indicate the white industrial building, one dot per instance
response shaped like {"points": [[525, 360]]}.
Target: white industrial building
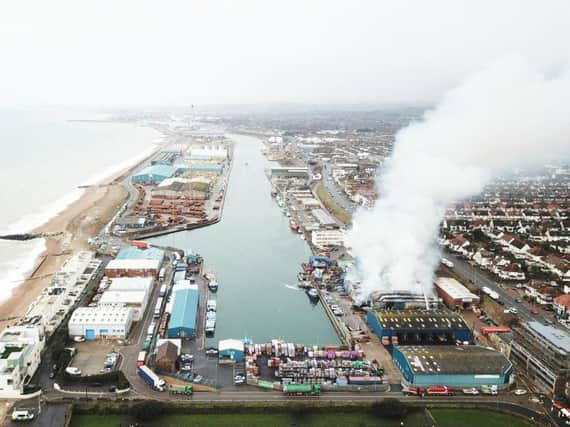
{"points": [[212, 151], [454, 294], [132, 292], [99, 322], [20, 351], [324, 238]]}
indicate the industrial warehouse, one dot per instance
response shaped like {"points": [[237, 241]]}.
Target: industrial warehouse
{"points": [[101, 322], [461, 366], [182, 321], [418, 327]]}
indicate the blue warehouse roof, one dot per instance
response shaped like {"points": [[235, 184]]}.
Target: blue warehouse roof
{"points": [[184, 312], [165, 171], [132, 252]]}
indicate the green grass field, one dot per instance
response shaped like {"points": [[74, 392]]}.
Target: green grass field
{"points": [[443, 418], [474, 418], [331, 205]]}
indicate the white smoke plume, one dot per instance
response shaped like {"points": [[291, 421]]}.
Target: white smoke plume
{"points": [[508, 115]]}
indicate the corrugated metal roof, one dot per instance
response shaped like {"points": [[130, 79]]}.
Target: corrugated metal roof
{"points": [[158, 170], [134, 264], [132, 252], [230, 344], [454, 289], [453, 359], [558, 337], [184, 309]]}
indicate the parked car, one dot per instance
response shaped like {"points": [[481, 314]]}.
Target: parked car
{"points": [[520, 392], [22, 415], [185, 357], [78, 339], [73, 371], [472, 391], [239, 379], [211, 352], [533, 310], [198, 379]]}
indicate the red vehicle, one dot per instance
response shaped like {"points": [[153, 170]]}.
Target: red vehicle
{"points": [[435, 390], [533, 310], [439, 391], [139, 244]]}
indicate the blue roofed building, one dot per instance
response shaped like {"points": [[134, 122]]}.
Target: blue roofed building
{"points": [[132, 252], [184, 314], [154, 174], [231, 351], [458, 366], [395, 327]]}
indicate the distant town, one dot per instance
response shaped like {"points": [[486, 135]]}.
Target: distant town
{"points": [[130, 317]]}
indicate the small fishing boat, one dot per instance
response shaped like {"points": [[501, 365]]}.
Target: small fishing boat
{"points": [[313, 294]]}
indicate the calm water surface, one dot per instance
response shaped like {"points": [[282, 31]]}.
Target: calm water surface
{"points": [[256, 259]]}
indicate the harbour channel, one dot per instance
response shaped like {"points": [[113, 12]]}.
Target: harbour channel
{"points": [[255, 258]]}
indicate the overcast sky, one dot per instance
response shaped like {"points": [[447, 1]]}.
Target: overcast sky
{"points": [[113, 53]]}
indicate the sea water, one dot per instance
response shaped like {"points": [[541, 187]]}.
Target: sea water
{"points": [[44, 156]]}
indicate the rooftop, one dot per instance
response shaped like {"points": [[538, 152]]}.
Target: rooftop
{"points": [[454, 289], [132, 252], [87, 315], [557, 337], [134, 264], [130, 284], [452, 359], [160, 170], [420, 319], [185, 308]]}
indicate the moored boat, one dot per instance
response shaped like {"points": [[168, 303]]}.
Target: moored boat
{"points": [[313, 294]]}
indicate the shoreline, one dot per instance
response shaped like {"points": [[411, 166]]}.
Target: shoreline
{"points": [[79, 221]]}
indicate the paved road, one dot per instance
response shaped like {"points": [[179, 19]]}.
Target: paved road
{"points": [[480, 279], [336, 194]]}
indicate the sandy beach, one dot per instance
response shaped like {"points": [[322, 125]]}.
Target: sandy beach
{"points": [[79, 222]]}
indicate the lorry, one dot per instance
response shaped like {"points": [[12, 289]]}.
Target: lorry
{"points": [[185, 390], [151, 378], [141, 358], [302, 389], [157, 308], [435, 390]]}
